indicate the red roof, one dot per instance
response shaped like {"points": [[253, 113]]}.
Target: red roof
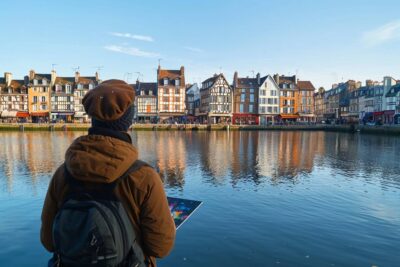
{"points": [[305, 85]]}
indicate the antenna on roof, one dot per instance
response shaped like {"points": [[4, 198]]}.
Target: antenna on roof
{"points": [[252, 71], [159, 62], [127, 76], [139, 75], [99, 68], [52, 66], [75, 69]]}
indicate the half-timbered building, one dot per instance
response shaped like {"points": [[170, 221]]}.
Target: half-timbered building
{"points": [[171, 94], [216, 100]]}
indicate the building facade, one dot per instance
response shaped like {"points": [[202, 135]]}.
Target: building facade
{"points": [[306, 101], [171, 94], [245, 100], [288, 97], [216, 100], [82, 85], [192, 97], [268, 100], [62, 100], [13, 99], [319, 105], [145, 102], [39, 87]]}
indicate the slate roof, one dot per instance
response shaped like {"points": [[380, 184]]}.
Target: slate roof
{"points": [[394, 90], [171, 75], [147, 87]]}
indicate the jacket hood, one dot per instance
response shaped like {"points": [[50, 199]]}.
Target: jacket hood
{"points": [[98, 158]]}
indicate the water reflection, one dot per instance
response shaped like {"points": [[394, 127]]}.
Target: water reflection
{"points": [[220, 157]]}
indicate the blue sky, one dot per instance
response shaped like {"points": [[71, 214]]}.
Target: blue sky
{"points": [[321, 41]]}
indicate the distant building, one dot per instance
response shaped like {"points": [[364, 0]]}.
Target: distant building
{"points": [[62, 99], [268, 100], [389, 99], [319, 104], [245, 100], [393, 104], [192, 96], [82, 85], [145, 102], [216, 100], [306, 101], [13, 99], [288, 97], [171, 94], [39, 86]]}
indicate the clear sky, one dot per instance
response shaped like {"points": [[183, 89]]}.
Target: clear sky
{"points": [[322, 41]]}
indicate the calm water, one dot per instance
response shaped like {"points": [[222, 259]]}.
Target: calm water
{"points": [[270, 198]]}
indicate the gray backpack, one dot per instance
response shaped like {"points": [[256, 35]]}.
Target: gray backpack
{"points": [[92, 227]]}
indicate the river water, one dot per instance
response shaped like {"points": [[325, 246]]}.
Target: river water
{"points": [[270, 198]]}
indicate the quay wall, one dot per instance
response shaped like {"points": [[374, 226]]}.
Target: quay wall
{"points": [[391, 130]]}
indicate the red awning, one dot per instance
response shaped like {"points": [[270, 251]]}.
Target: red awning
{"points": [[40, 114], [378, 113], [21, 114]]}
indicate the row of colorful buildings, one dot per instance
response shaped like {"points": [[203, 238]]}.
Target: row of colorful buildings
{"points": [[258, 100]]}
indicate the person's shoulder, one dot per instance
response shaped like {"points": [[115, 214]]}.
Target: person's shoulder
{"points": [[145, 177]]}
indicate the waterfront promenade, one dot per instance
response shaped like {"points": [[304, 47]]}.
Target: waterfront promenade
{"points": [[385, 129]]}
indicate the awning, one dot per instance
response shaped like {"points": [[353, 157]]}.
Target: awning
{"points": [[22, 114], [244, 115], [289, 116], [378, 113], [80, 114], [306, 115], [9, 114], [39, 114]]}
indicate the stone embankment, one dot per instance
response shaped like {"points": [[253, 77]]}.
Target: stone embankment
{"points": [[393, 130]]}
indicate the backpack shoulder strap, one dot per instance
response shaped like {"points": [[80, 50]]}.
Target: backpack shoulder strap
{"points": [[134, 167]]}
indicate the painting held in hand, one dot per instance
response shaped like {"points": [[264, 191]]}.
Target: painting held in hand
{"points": [[181, 209]]}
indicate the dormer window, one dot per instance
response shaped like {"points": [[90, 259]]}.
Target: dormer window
{"points": [[291, 86], [150, 92], [91, 86], [35, 82], [68, 88], [177, 82], [142, 92], [58, 88], [165, 81], [80, 86], [44, 82]]}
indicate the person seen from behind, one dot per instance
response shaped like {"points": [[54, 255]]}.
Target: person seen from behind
{"points": [[104, 207]]}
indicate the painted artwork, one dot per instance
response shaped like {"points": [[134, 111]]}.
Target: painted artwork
{"points": [[181, 209]]}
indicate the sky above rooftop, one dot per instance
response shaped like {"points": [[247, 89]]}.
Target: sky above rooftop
{"points": [[322, 41]]}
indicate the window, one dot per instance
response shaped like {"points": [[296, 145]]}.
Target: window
{"points": [[43, 99], [177, 91], [270, 101], [241, 108], [251, 98], [269, 109], [251, 108], [177, 82], [275, 109], [275, 101], [34, 107], [35, 99], [176, 107], [262, 109], [165, 81], [150, 92], [91, 86], [177, 99], [166, 107], [80, 86], [166, 91], [44, 82], [58, 88], [35, 82], [165, 98], [252, 90], [263, 92], [141, 92], [43, 107], [242, 97]]}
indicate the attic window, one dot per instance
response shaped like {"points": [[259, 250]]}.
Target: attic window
{"points": [[150, 92], [44, 82], [58, 88], [165, 81], [142, 92], [177, 82], [90, 86], [35, 82]]}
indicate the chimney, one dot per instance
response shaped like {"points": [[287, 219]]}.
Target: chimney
{"points": [[295, 79], [258, 78], [276, 78], [77, 75], [31, 74], [53, 77], [97, 76], [8, 78], [235, 79], [182, 70]]}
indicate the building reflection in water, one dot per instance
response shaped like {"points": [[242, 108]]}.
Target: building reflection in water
{"points": [[32, 155], [216, 157]]}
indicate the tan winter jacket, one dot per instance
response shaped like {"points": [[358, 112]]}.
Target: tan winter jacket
{"points": [[102, 159]]}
